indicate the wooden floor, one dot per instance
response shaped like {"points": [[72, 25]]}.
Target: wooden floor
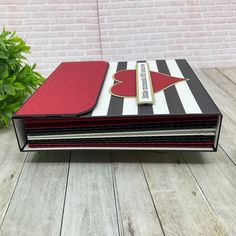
{"points": [[124, 193]]}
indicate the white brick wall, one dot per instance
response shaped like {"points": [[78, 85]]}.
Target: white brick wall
{"points": [[204, 32], [57, 30]]}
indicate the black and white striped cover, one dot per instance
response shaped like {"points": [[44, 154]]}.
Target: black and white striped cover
{"points": [[186, 97]]}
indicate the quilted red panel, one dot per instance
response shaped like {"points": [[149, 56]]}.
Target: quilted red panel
{"points": [[73, 88]]}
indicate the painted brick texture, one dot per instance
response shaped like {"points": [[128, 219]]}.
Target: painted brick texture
{"points": [[57, 30], [201, 31], [204, 32]]}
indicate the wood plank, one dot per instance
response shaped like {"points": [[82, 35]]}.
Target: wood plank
{"points": [[135, 205], [228, 138], [223, 100], [11, 163], [216, 176], [90, 207], [228, 107], [229, 73], [221, 81], [37, 204], [181, 206], [118, 212]]}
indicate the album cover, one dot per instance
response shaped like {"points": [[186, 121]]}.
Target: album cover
{"points": [[146, 105]]}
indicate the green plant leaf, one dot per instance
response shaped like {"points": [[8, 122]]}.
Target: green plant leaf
{"points": [[28, 90], [12, 107], [9, 89], [13, 34], [16, 39], [17, 79], [3, 71], [18, 86], [5, 117], [2, 97], [3, 45], [5, 33], [3, 56], [22, 57], [10, 80]]}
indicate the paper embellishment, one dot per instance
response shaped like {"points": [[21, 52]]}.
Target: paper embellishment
{"points": [[126, 82], [144, 88]]}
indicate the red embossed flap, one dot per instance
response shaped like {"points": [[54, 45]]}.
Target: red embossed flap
{"points": [[72, 89]]}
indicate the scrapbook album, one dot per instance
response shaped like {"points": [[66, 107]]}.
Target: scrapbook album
{"points": [[146, 105]]}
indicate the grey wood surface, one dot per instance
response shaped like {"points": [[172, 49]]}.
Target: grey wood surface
{"points": [[124, 193], [221, 81], [229, 73], [90, 207], [180, 203], [136, 208], [227, 105], [36, 207], [224, 101], [216, 174], [228, 138], [11, 163]]}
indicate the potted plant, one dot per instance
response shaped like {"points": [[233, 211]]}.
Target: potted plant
{"points": [[18, 79]]}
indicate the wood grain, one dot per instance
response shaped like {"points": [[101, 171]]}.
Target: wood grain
{"points": [[90, 207], [223, 100], [228, 138], [180, 203], [221, 81], [228, 107], [229, 73], [37, 205], [216, 176], [136, 208], [11, 163]]}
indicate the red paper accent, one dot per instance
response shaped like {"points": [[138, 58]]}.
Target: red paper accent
{"points": [[52, 123], [73, 88], [126, 86]]}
